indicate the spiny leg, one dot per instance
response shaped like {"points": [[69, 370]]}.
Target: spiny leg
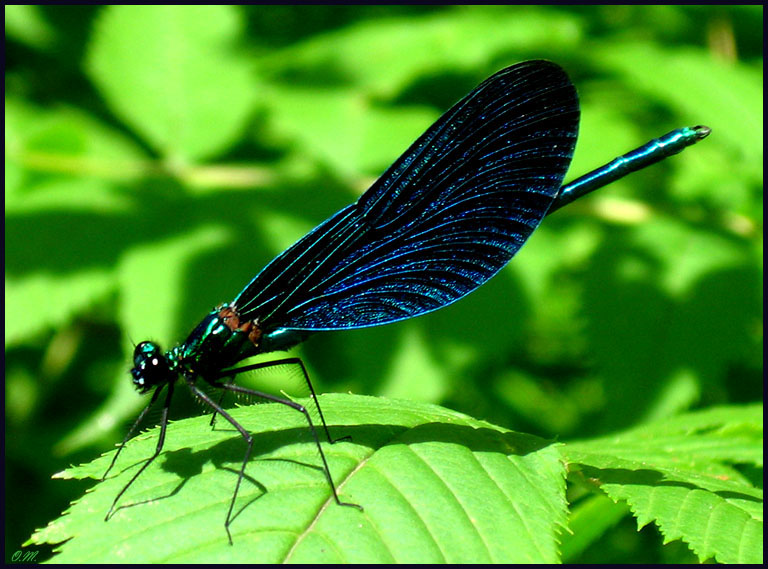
{"points": [[249, 439], [285, 361], [298, 407], [132, 429], [160, 442], [219, 402]]}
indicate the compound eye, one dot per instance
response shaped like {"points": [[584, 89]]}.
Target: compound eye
{"points": [[145, 351], [150, 367]]}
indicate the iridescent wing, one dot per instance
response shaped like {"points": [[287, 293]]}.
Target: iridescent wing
{"points": [[441, 221]]}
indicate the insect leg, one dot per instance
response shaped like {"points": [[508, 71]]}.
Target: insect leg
{"points": [[160, 442], [287, 361], [249, 439]]}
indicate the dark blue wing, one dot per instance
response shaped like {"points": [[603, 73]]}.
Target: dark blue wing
{"points": [[442, 220]]}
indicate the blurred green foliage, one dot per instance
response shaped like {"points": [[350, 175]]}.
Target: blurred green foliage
{"points": [[156, 158]]}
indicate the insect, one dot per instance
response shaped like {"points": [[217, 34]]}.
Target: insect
{"points": [[441, 221]]}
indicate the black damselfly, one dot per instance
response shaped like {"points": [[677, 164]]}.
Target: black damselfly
{"points": [[441, 221]]}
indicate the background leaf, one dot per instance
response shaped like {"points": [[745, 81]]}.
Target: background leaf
{"points": [[677, 474], [165, 71]]}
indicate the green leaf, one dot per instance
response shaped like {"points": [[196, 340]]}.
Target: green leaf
{"points": [[588, 522], [435, 485], [697, 86], [343, 129], [173, 75], [27, 25], [399, 50], [675, 473], [67, 295]]}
